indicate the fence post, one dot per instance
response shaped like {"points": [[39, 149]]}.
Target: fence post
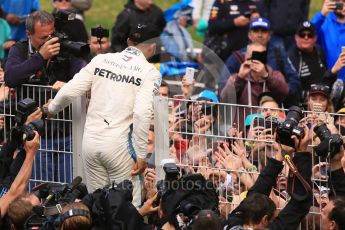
{"points": [[78, 122], [161, 123]]}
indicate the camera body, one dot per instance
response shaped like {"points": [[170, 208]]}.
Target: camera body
{"points": [[78, 49], [171, 175], [25, 107], [22, 132], [54, 194], [290, 127], [330, 143]]}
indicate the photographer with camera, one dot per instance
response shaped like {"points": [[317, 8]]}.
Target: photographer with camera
{"points": [[28, 60], [331, 147], [257, 210], [19, 184], [12, 154], [46, 58]]}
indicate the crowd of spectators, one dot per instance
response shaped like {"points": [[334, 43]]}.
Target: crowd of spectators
{"points": [[229, 137]]}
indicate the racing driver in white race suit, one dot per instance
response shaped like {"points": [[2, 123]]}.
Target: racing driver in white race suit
{"points": [[119, 115]]}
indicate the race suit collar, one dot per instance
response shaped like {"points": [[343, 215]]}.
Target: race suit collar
{"points": [[134, 51]]}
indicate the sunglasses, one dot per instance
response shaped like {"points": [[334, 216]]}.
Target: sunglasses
{"points": [[62, 0], [306, 35], [321, 88]]}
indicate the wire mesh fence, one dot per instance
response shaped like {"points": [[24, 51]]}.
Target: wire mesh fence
{"points": [[230, 145], [54, 160]]}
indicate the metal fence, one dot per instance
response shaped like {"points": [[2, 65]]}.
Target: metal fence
{"points": [[60, 149], [227, 146]]}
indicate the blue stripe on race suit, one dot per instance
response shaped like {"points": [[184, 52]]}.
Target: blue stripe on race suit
{"points": [[130, 144]]}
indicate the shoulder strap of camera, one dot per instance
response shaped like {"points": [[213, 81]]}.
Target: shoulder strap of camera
{"points": [[295, 171]]}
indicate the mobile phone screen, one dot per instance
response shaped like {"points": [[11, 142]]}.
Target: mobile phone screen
{"points": [[190, 75], [260, 56], [259, 121]]}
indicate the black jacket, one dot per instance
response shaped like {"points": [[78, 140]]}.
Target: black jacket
{"points": [[286, 15], [221, 23], [337, 182], [130, 17], [325, 75], [295, 210]]}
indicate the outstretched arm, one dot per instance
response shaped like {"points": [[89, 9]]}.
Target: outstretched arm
{"points": [[19, 184]]}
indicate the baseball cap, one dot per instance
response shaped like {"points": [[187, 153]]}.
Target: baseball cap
{"points": [[207, 95], [306, 25], [319, 88], [262, 23], [144, 33], [250, 118], [341, 111]]}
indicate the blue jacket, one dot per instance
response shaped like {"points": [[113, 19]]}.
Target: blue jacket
{"points": [[331, 37], [21, 8], [232, 65]]}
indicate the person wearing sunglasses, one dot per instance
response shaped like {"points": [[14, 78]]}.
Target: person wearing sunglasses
{"points": [[330, 27], [309, 59]]}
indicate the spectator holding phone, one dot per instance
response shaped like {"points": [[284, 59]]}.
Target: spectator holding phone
{"points": [[254, 78], [260, 31], [330, 27], [318, 99]]}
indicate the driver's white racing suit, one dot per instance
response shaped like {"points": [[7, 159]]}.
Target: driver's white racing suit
{"points": [[119, 114]]}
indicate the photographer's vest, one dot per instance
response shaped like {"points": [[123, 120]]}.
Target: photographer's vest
{"points": [[58, 69]]}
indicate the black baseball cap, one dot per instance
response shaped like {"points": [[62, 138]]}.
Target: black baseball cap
{"points": [[306, 26], [319, 89], [144, 33]]}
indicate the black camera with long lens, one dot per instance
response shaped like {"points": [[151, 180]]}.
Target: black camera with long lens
{"points": [[25, 107], [78, 49], [171, 174], [290, 127], [46, 215], [171, 171], [330, 143], [22, 132]]}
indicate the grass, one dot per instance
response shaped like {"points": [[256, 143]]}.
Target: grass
{"points": [[104, 12]]}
